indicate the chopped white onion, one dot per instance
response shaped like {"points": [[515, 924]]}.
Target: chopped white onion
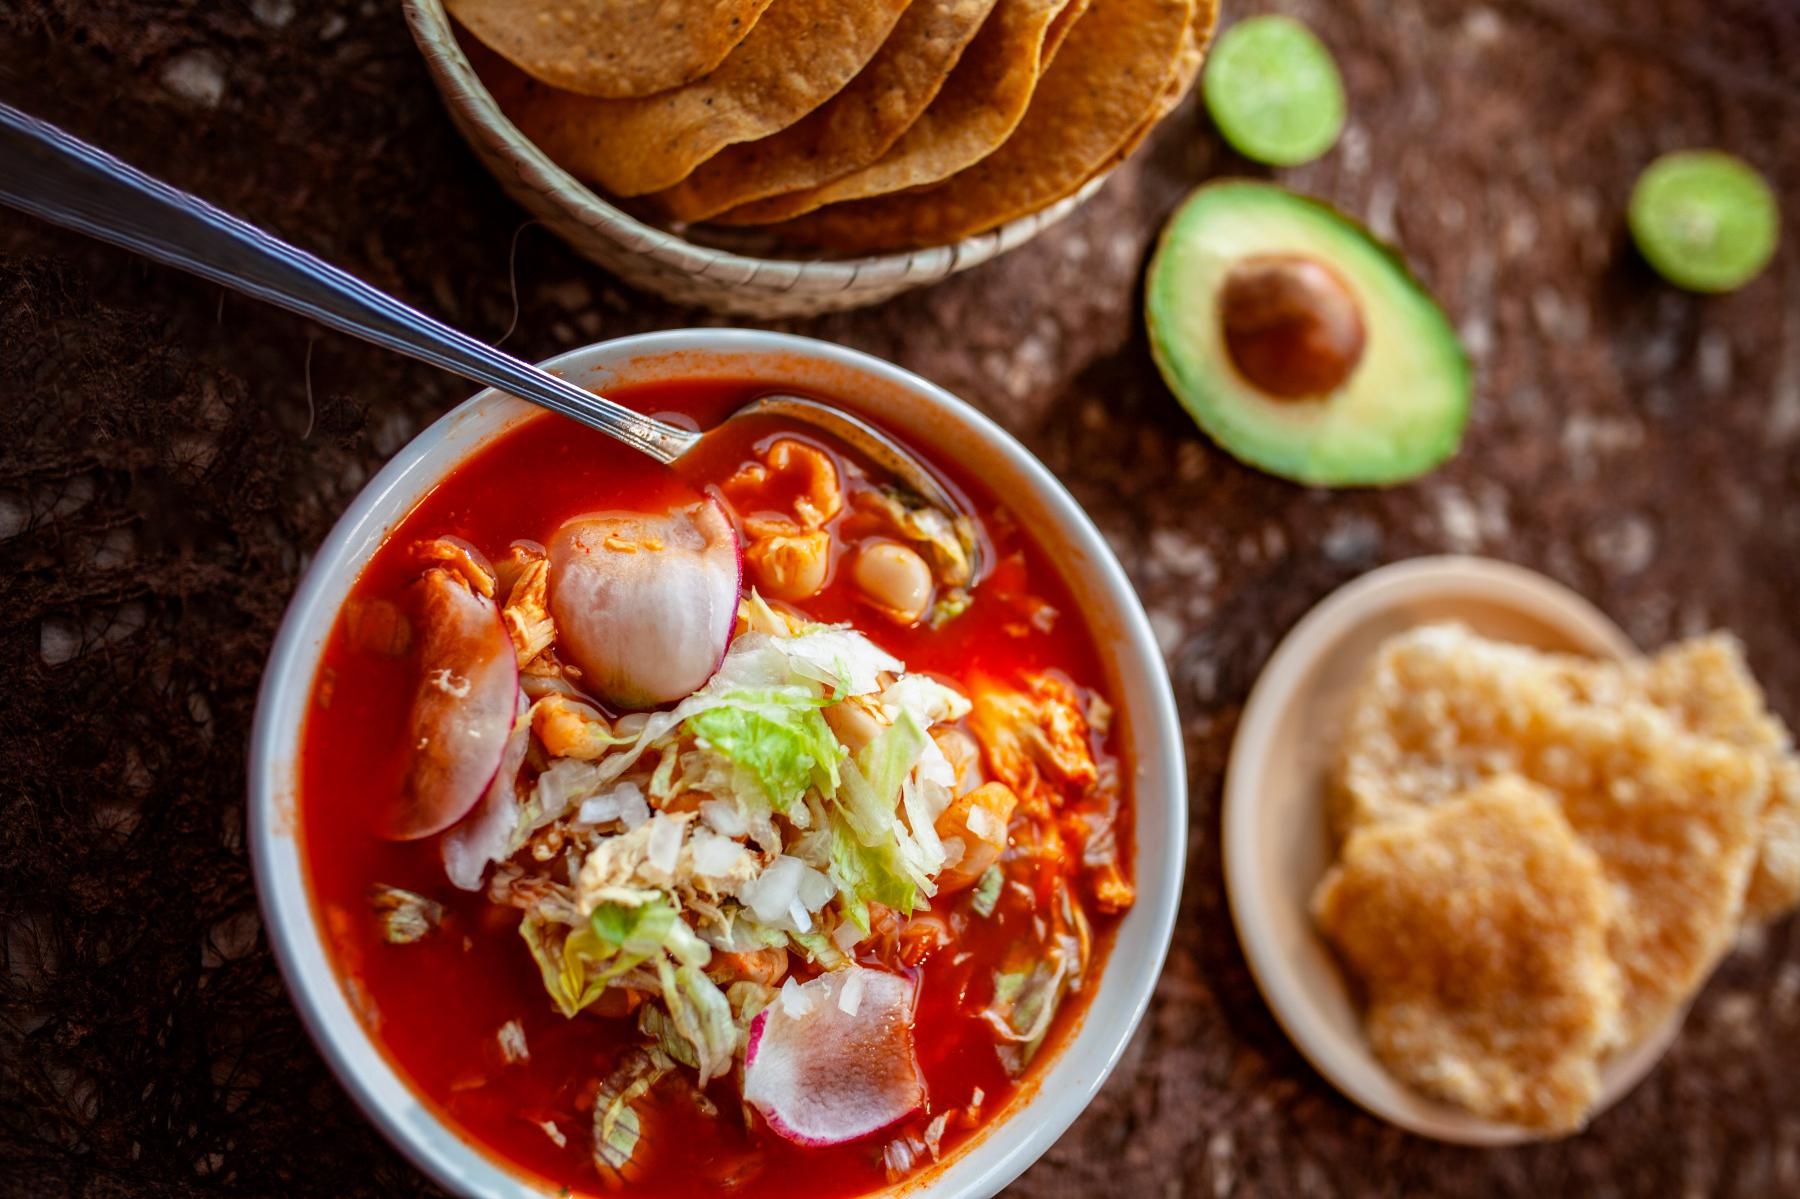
{"points": [[623, 802], [816, 890], [985, 825], [566, 780], [664, 849], [850, 994], [714, 856], [795, 1001], [512, 1043], [772, 892], [846, 936], [722, 816], [799, 915]]}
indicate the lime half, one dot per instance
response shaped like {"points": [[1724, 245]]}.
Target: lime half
{"points": [[1274, 91], [1704, 219]]}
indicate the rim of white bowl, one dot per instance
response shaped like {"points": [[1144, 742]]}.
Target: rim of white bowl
{"points": [[1273, 963], [1059, 1091]]}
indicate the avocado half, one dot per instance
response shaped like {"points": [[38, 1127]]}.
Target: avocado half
{"points": [[1401, 409]]}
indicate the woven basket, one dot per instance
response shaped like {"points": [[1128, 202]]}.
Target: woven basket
{"points": [[658, 261]]}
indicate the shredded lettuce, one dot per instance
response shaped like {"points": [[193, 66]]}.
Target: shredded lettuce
{"points": [[874, 856], [819, 949], [890, 757], [866, 874], [404, 916], [747, 998], [577, 964], [987, 891], [840, 658], [1030, 988], [759, 713], [1024, 1003], [701, 1015], [776, 738], [655, 1023], [617, 1129]]}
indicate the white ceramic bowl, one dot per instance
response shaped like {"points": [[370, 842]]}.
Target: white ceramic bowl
{"points": [[922, 413], [1277, 846]]}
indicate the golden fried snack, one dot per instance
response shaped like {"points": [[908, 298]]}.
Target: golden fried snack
{"points": [[1479, 931], [1707, 687], [1704, 685], [1673, 817]]}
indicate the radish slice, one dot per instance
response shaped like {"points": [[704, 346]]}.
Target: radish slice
{"points": [[484, 835], [644, 605], [462, 710], [823, 1070]]}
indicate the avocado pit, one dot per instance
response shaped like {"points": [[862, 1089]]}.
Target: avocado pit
{"points": [[1291, 325]]}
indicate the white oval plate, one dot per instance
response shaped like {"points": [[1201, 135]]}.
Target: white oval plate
{"points": [[1277, 846]]}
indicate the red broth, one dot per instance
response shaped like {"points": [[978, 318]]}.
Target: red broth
{"points": [[434, 1006]]}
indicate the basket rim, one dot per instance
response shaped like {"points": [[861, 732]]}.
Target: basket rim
{"points": [[463, 90]]}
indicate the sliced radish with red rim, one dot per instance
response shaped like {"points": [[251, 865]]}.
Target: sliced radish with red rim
{"points": [[832, 1060], [462, 707], [645, 603]]}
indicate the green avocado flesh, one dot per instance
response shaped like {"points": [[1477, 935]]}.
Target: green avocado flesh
{"points": [[1402, 409]]}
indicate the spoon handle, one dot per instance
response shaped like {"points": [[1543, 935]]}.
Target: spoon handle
{"points": [[50, 174]]}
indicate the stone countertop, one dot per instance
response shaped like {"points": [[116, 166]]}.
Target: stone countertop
{"points": [[171, 455]]}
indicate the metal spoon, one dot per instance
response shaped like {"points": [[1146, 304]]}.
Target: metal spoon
{"points": [[64, 180]]}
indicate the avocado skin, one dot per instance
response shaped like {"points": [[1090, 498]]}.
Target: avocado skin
{"points": [[1403, 410]]}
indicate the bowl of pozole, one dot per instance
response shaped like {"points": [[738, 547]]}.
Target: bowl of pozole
{"points": [[626, 829]]}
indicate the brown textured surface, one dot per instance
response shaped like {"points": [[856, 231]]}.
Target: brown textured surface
{"points": [[164, 473]]}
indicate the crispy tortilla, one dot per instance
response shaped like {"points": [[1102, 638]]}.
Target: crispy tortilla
{"points": [[1059, 30], [799, 55], [1181, 81], [610, 48], [1109, 75], [1479, 934], [852, 129], [980, 104]]}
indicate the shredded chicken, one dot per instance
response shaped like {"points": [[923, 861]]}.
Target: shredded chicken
{"points": [[568, 728], [789, 565], [665, 853], [1033, 735], [527, 611], [802, 474], [460, 557]]}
